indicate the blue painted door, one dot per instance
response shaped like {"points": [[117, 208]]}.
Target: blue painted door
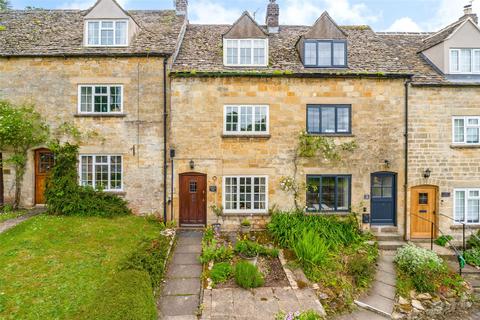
{"points": [[383, 196]]}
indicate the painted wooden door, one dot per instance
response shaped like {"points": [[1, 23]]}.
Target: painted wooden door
{"points": [[193, 202], [44, 161], [422, 211], [383, 198]]}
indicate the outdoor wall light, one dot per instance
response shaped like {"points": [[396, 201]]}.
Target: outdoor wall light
{"points": [[426, 173], [387, 163], [192, 164]]}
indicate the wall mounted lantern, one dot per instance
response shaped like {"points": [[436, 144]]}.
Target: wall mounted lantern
{"points": [[426, 173], [192, 164]]}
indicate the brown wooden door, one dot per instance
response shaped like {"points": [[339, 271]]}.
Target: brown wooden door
{"points": [[423, 211], [193, 199], [43, 164]]}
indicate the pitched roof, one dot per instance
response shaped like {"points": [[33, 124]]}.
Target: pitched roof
{"points": [[60, 33], [440, 36], [202, 51]]}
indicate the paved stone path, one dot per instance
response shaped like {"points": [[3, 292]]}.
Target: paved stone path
{"points": [[181, 293], [257, 304], [9, 224], [381, 297]]}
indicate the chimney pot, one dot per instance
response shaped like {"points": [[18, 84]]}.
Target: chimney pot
{"points": [[181, 7], [468, 9], [468, 13], [273, 12]]}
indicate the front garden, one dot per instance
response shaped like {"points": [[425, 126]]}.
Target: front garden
{"points": [[56, 267], [329, 254]]}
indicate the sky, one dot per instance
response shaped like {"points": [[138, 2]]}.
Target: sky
{"points": [[381, 15]]}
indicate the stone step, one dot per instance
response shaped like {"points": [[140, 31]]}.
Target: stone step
{"points": [[390, 245], [384, 229], [388, 236]]}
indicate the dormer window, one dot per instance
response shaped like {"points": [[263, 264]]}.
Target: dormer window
{"points": [[325, 53], [107, 32], [245, 52], [465, 61]]}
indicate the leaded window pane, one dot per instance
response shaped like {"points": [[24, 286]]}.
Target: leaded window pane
{"points": [[260, 119], [313, 118], [115, 99], [106, 37], [328, 194], [339, 53], [472, 135], [310, 53], [328, 120], [86, 99], [246, 119], [313, 194], [476, 61], [459, 130], [232, 51], [232, 119], [343, 119], [325, 54], [473, 211], [466, 60], [259, 52], [459, 206], [245, 52]]}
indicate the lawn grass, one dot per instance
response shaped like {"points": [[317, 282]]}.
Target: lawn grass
{"points": [[50, 266], [11, 215]]}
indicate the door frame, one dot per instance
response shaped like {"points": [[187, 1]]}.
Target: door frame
{"points": [[436, 207], [180, 195], [394, 195], [35, 172]]}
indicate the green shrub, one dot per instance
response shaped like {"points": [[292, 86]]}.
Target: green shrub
{"points": [[362, 269], [247, 275], [64, 196], [336, 231], [472, 256], [424, 267], [150, 256], [214, 252], [221, 272], [310, 248], [7, 208], [474, 240], [128, 295], [251, 249], [443, 240], [208, 235]]}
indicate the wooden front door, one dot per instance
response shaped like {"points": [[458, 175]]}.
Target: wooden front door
{"points": [[193, 199], [43, 164], [423, 209], [383, 198]]}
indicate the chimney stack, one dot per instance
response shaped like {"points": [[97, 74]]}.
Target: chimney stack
{"points": [[468, 13], [271, 20], [181, 7]]}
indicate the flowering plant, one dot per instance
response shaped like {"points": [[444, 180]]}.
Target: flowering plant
{"points": [[307, 315], [412, 259]]}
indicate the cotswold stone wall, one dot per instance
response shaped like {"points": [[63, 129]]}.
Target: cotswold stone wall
{"points": [[197, 127], [51, 84], [431, 145]]}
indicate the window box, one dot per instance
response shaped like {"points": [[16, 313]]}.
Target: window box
{"points": [[325, 53], [466, 131], [466, 204], [465, 61], [246, 120], [329, 119], [102, 172], [245, 52], [100, 99], [245, 194], [106, 33], [328, 193]]}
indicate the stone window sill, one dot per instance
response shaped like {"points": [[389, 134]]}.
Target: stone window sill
{"points": [[100, 115], [332, 135], [465, 146], [117, 193], [246, 136], [226, 215], [467, 227], [329, 213]]}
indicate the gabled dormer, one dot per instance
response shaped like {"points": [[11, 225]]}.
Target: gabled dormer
{"points": [[245, 44], [324, 45], [455, 50], [107, 24]]}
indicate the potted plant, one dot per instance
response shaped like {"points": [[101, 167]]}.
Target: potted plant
{"points": [[218, 212], [245, 226]]}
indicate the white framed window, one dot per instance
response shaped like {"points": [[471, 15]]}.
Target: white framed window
{"points": [[101, 172], [465, 61], [106, 33], [466, 130], [245, 119], [467, 206], [245, 194], [100, 99], [245, 52]]}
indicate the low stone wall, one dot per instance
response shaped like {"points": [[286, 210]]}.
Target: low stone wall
{"points": [[232, 223]]}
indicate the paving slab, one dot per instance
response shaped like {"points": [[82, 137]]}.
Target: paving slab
{"points": [[184, 271], [181, 286], [188, 248], [185, 258], [361, 314]]}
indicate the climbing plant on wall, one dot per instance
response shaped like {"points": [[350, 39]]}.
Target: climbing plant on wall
{"points": [[313, 147]]}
